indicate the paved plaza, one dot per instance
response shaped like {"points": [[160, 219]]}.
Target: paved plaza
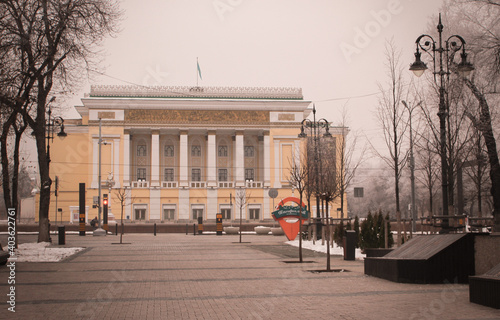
{"points": [[178, 276]]}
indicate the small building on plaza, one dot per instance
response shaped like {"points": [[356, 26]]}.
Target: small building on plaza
{"points": [[179, 153]]}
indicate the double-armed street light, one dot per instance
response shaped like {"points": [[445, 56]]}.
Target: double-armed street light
{"points": [[50, 126], [314, 126], [444, 53]]}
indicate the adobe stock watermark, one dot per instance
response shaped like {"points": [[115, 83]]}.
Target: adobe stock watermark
{"points": [[90, 308], [363, 36], [11, 265], [222, 7], [438, 306], [154, 76]]}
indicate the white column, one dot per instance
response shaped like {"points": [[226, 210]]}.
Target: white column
{"points": [[95, 163], [296, 155], [183, 161], [128, 206], [126, 159], [277, 165], [267, 161], [184, 204], [155, 159], [154, 204], [240, 159], [116, 162], [211, 159], [266, 210], [211, 204]]}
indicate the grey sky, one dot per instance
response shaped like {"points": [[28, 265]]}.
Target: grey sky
{"points": [[331, 49]]}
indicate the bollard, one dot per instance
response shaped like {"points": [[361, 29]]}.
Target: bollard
{"points": [[349, 245], [116, 229], [62, 235], [219, 224], [186, 229], [200, 225], [154, 229], [194, 229]]}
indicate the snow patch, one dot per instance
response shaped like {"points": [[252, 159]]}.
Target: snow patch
{"points": [[41, 252], [318, 247]]}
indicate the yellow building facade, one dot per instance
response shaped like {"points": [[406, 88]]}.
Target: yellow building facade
{"points": [[179, 153]]}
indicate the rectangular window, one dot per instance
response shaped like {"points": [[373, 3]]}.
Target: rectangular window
{"points": [[169, 151], [358, 192], [196, 151], [249, 151], [141, 174], [142, 151], [140, 214], [169, 174], [226, 213], [197, 213], [195, 174], [222, 174], [249, 175], [254, 214], [169, 214]]}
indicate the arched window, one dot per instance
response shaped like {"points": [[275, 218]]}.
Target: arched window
{"points": [[196, 151], [142, 150], [169, 151], [249, 151], [222, 151]]}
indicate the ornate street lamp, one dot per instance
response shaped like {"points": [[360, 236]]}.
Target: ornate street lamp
{"points": [[314, 127], [50, 130], [445, 55]]}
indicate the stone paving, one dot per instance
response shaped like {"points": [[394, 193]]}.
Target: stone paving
{"points": [[178, 276]]}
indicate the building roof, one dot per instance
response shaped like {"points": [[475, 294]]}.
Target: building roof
{"points": [[136, 91]]}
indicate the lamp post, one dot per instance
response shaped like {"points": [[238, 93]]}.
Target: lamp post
{"points": [[99, 231], [50, 130], [412, 171], [444, 53], [314, 127]]}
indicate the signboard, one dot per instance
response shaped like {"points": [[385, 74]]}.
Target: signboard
{"points": [[273, 193], [290, 217]]}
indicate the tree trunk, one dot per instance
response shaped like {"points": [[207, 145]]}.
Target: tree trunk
{"points": [[489, 139], [5, 167], [45, 183]]}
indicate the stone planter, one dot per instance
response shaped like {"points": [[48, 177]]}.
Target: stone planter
{"points": [[231, 230], [262, 230], [277, 231]]}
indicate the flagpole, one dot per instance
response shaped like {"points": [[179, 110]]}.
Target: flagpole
{"points": [[197, 64]]}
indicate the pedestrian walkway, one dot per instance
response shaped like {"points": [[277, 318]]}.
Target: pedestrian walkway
{"points": [[177, 276]]}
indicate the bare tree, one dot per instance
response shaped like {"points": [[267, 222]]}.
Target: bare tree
{"points": [[347, 161], [48, 43], [476, 170], [477, 21], [298, 179], [241, 198], [427, 167], [392, 117], [122, 195]]}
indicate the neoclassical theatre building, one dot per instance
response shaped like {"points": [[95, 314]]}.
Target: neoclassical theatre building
{"points": [[179, 153]]}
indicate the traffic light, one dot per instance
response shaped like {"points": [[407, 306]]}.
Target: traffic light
{"points": [[105, 211]]}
